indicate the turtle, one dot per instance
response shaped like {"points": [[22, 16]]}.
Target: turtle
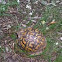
{"points": [[31, 40]]}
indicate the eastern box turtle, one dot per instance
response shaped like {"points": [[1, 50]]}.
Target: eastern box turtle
{"points": [[31, 40]]}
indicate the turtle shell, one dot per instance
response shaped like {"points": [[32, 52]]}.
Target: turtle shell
{"points": [[31, 40]]}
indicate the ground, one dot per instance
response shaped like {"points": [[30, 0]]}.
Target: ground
{"points": [[44, 15]]}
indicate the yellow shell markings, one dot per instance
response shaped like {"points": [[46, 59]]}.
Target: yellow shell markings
{"points": [[27, 48], [37, 34], [29, 29], [39, 37], [22, 44], [24, 41], [38, 41], [43, 39], [21, 38], [42, 43], [36, 30], [24, 33], [31, 33], [37, 46], [31, 44]]}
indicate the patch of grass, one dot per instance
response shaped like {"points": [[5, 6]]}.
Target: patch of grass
{"points": [[13, 36], [2, 49], [4, 7], [12, 3], [59, 57], [29, 23]]}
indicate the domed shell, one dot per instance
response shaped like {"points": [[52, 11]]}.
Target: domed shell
{"points": [[31, 40]]}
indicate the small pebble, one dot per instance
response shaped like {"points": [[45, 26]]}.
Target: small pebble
{"points": [[60, 3], [47, 28], [56, 43], [18, 1], [6, 49], [60, 38], [53, 3], [36, 2], [13, 45], [30, 13], [10, 50], [28, 6], [3, 9], [2, 1], [53, 20], [33, 20], [28, 0], [23, 25], [0, 46], [57, 1], [8, 26], [43, 22], [5, 41]]}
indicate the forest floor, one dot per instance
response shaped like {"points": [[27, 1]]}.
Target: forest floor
{"points": [[41, 14]]}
